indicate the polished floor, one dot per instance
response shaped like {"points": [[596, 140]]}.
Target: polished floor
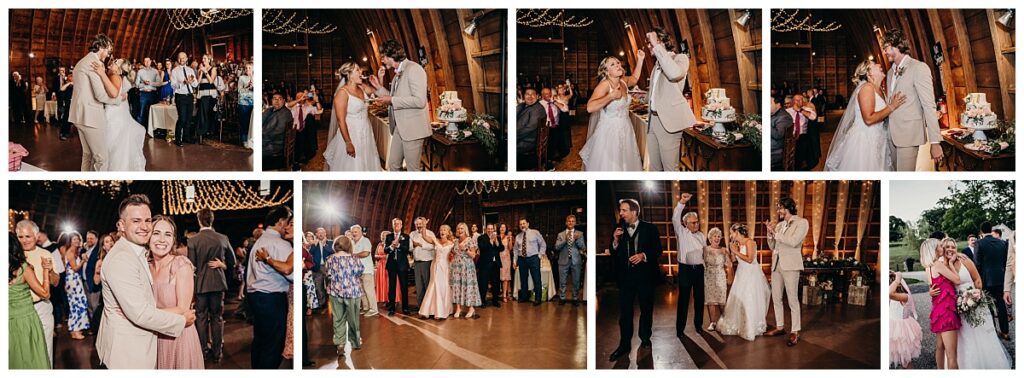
{"points": [[833, 337], [49, 153], [81, 354], [515, 336]]}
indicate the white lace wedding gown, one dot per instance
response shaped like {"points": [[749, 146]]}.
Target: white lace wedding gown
{"points": [[612, 147], [863, 148], [978, 347], [357, 118], [125, 137], [747, 306]]}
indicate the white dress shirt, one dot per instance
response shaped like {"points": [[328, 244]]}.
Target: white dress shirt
{"points": [[425, 252], [690, 245], [178, 76], [149, 74]]}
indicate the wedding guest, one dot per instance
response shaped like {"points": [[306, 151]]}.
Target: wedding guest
{"points": [[553, 111], [208, 77], [636, 249], [26, 343], [397, 247], [563, 97], [943, 319], [276, 121], [361, 247], [309, 299], [690, 244], [270, 271], [90, 257], [166, 90], [904, 331], [288, 352], [506, 261], [422, 255], [717, 261], [18, 93], [802, 114], [319, 250], [991, 261], [463, 281], [210, 254], [306, 111], [474, 231], [528, 248], [488, 265], [65, 87], [971, 246], [782, 122], [70, 246], [131, 317], [571, 248], [173, 285], [380, 254], [39, 94], [148, 81], [245, 104], [344, 272], [437, 301], [185, 84], [530, 117]]}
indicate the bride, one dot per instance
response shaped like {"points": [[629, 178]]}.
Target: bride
{"points": [[352, 147], [747, 306], [612, 147], [124, 136], [861, 141], [978, 347]]}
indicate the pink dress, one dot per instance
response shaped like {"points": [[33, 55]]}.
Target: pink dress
{"points": [[943, 317], [183, 352], [904, 331]]}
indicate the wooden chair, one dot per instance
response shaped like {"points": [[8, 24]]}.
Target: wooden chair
{"points": [[543, 135], [789, 151], [289, 149]]}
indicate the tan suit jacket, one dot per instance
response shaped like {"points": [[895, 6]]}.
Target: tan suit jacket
{"points": [[408, 110], [914, 123], [787, 246], [89, 96], [667, 90], [131, 320]]}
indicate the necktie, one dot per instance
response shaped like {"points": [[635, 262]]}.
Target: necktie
{"points": [[551, 115], [796, 124], [522, 244], [302, 120]]}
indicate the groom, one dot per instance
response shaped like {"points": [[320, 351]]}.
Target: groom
{"points": [[86, 109], [915, 123], [407, 113], [669, 110], [131, 321], [991, 259], [786, 239]]}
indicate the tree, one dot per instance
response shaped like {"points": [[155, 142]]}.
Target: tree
{"points": [[897, 227], [969, 203]]}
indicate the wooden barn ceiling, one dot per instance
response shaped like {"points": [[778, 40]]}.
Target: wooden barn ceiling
{"points": [[65, 34]]}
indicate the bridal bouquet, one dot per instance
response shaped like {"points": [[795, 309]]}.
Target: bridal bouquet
{"points": [[973, 305]]}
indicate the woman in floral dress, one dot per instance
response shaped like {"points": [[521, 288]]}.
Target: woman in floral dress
{"points": [[506, 261], [78, 305], [465, 291]]}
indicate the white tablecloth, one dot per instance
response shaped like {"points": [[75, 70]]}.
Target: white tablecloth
{"points": [[547, 279], [162, 116]]}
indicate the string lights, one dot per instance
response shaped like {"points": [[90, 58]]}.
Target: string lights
{"points": [[842, 199], [111, 188], [495, 186], [275, 21], [790, 20], [184, 19], [13, 216], [866, 200], [547, 17], [188, 196]]}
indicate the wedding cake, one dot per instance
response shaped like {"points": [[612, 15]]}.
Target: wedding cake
{"points": [[977, 113], [717, 107], [451, 109]]}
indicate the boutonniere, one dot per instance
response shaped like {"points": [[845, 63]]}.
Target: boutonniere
{"points": [[899, 71]]}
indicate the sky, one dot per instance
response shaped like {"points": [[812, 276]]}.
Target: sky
{"points": [[907, 199]]}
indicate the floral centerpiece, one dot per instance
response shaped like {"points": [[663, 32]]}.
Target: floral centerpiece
{"points": [[974, 305], [483, 128], [1004, 142], [747, 129]]}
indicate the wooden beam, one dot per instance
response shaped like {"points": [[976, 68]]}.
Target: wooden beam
{"points": [[747, 68], [443, 53], [532, 201], [708, 41], [696, 102], [476, 71], [952, 106], [1001, 40], [964, 44], [421, 36]]}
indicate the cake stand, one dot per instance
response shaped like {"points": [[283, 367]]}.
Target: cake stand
{"points": [[979, 131], [452, 130], [720, 123]]}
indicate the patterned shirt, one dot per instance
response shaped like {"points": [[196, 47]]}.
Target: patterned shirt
{"points": [[344, 276]]}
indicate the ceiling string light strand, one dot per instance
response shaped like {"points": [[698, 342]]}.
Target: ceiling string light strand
{"points": [[184, 19], [787, 21], [217, 195], [275, 21], [546, 17], [496, 186]]}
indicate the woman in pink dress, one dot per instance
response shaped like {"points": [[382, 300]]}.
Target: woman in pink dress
{"points": [[437, 301], [173, 285], [506, 261], [944, 320], [382, 277]]}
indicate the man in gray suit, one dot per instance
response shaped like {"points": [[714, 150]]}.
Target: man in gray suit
{"points": [[87, 105], [914, 124], [407, 113], [210, 253], [571, 247], [670, 111]]}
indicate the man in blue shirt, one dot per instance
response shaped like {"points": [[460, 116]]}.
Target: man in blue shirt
{"points": [[267, 284], [528, 247]]}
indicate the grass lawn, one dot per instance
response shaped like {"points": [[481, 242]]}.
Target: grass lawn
{"points": [[898, 252]]}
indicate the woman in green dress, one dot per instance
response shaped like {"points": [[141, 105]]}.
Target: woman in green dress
{"points": [[26, 345]]}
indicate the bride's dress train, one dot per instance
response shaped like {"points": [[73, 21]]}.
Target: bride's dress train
{"points": [[857, 146], [612, 147], [125, 137], [747, 306]]}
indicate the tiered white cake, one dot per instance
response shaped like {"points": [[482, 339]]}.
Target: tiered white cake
{"points": [[978, 113], [451, 109], [717, 107]]}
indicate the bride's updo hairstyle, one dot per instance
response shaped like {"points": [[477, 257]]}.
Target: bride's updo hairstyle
{"points": [[741, 229], [346, 69], [929, 253], [860, 75], [602, 69]]}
